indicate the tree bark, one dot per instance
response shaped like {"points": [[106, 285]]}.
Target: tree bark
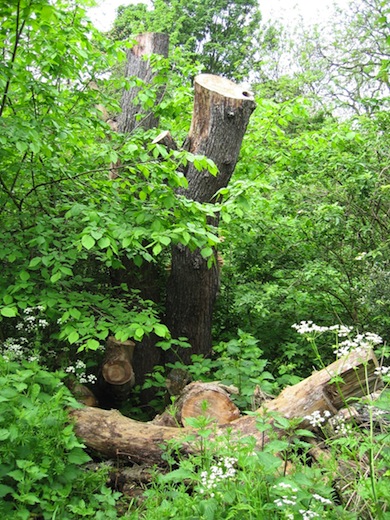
{"points": [[146, 278], [133, 116], [114, 435], [221, 114]]}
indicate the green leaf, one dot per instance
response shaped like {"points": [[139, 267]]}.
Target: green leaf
{"points": [[24, 276], [161, 330], [35, 261], [4, 434], [206, 252], [73, 337], [7, 299], [165, 240], [5, 490], [9, 312], [157, 249], [139, 334], [55, 277], [88, 242], [104, 242], [92, 344]]}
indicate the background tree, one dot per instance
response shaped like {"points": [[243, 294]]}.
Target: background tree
{"points": [[224, 36]]}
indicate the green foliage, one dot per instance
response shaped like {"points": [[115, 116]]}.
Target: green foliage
{"points": [[306, 229], [228, 477], [223, 36], [41, 473], [69, 234]]}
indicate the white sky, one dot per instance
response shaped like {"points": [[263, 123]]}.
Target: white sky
{"points": [[312, 11]]}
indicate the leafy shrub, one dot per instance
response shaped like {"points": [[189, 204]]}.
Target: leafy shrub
{"points": [[41, 473]]}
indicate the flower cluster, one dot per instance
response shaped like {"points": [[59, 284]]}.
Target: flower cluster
{"points": [[79, 371], [308, 327], [382, 371], [307, 515], [223, 470], [360, 342], [13, 349], [316, 419], [341, 428], [287, 499], [31, 321]]}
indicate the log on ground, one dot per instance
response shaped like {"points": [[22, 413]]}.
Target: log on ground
{"points": [[113, 435]]}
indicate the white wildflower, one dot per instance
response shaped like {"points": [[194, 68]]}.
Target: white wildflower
{"points": [[381, 371], [316, 419], [307, 515], [322, 499]]}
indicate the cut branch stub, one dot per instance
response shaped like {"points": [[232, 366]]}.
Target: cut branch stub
{"points": [[133, 115], [117, 366], [116, 377], [221, 114], [198, 398]]}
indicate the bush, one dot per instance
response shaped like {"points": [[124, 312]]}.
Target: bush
{"points": [[41, 473]]}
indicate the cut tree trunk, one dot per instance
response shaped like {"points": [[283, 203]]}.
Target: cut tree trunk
{"points": [[113, 435], [220, 117], [148, 278], [133, 115], [209, 399], [116, 377]]}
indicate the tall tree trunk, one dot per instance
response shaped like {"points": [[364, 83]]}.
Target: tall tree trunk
{"points": [[133, 116], [221, 114], [146, 278]]}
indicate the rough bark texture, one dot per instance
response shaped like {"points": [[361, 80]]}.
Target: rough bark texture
{"points": [[137, 66], [221, 114], [147, 278], [114, 435]]}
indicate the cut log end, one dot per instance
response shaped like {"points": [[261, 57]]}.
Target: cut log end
{"points": [[117, 374], [223, 86], [213, 403]]}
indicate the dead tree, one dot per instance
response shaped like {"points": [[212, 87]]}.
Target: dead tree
{"points": [[220, 117]]}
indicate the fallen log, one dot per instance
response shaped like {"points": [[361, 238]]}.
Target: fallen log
{"points": [[113, 435], [209, 399]]}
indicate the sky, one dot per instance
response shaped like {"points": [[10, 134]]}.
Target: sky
{"points": [[312, 11]]}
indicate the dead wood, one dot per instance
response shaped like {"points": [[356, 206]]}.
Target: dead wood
{"points": [[116, 376], [209, 399], [114, 435]]}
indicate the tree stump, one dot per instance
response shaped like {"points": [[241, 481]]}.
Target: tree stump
{"points": [[220, 117], [116, 376], [133, 116]]}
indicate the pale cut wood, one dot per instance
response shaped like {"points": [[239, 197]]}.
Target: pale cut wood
{"points": [[116, 376], [198, 398], [114, 435]]}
